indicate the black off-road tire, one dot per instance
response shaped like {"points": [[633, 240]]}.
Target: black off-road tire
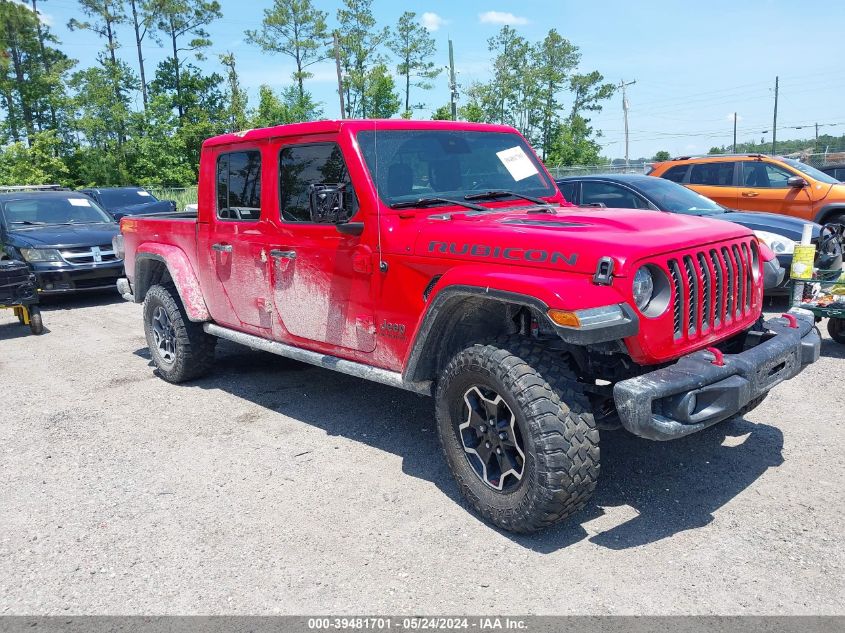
{"points": [[836, 329], [36, 324], [561, 442], [192, 348]]}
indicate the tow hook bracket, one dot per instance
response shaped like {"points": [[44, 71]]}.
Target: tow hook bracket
{"points": [[793, 322], [718, 357]]}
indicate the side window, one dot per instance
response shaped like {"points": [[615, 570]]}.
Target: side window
{"points": [[568, 190], [239, 186], [610, 195], [676, 173], [301, 167], [713, 174], [762, 175]]}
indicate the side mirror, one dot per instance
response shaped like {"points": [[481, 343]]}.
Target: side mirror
{"points": [[172, 205], [797, 182], [325, 202]]}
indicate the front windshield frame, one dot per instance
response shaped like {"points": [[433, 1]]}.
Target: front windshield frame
{"points": [[105, 216], [651, 186], [809, 170], [421, 186]]}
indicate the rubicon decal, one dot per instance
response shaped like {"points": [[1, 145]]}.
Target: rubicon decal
{"points": [[512, 253]]}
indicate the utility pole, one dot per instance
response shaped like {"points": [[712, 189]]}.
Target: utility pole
{"points": [[775, 121], [624, 85], [734, 133], [453, 84], [339, 75], [817, 137]]}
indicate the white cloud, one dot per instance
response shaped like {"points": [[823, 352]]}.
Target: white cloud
{"points": [[45, 18], [730, 117], [501, 17], [432, 21]]}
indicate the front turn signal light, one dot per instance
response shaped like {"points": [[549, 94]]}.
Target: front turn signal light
{"points": [[564, 318]]}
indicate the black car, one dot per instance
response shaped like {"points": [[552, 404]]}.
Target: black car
{"points": [[64, 236], [121, 201], [837, 171], [633, 191]]}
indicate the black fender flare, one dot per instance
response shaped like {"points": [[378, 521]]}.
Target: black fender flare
{"points": [[835, 208]]}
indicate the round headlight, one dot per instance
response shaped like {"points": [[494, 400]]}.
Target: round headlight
{"points": [[643, 288]]}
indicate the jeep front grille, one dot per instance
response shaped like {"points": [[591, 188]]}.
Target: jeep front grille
{"points": [[712, 288]]}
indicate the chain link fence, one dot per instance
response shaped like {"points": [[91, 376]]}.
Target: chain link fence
{"points": [[634, 167]]}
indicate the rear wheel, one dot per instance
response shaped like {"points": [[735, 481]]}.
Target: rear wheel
{"points": [[523, 457], [180, 349], [836, 329]]}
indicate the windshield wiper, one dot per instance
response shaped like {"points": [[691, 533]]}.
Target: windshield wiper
{"points": [[502, 193], [28, 222], [428, 202]]}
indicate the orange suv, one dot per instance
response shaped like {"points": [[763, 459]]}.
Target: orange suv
{"points": [[754, 182]]}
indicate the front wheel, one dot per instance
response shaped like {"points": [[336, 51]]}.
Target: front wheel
{"points": [[836, 329], [36, 324], [180, 349], [517, 434]]}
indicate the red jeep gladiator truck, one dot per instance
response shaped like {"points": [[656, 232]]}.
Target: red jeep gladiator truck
{"points": [[440, 257]]}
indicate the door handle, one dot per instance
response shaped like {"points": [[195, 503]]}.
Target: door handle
{"points": [[750, 194], [222, 248], [280, 254]]}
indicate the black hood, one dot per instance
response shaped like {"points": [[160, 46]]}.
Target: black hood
{"points": [[780, 224], [159, 206], [54, 236]]}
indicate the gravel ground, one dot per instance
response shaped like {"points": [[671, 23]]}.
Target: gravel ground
{"points": [[275, 487]]}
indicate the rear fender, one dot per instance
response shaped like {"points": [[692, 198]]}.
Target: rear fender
{"points": [[181, 272], [536, 289]]}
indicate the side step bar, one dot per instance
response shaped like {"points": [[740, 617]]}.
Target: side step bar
{"points": [[359, 370]]}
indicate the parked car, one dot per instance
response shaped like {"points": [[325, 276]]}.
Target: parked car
{"points": [[438, 257], [754, 182], [64, 236], [836, 171], [633, 191], [121, 201]]}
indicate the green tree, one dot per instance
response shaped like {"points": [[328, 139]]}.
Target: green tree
{"points": [[179, 20], [144, 17], [33, 164], [555, 58], [382, 100], [360, 41], [287, 108], [296, 29], [237, 96], [443, 113], [414, 47], [661, 156]]}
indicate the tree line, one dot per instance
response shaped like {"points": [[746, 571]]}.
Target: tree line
{"points": [[114, 122]]}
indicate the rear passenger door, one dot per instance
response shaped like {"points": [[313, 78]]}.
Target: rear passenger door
{"points": [[715, 180], [234, 243]]}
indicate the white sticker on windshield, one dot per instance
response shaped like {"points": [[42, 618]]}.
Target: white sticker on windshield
{"points": [[79, 202], [516, 161], [143, 193]]}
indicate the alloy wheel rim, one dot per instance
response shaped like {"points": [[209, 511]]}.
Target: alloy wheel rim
{"points": [[491, 439], [164, 335]]}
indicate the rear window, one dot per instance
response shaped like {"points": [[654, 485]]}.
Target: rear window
{"points": [[239, 186], [117, 198], [712, 174], [676, 173]]}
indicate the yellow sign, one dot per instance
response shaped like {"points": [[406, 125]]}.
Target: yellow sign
{"points": [[802, 261]]}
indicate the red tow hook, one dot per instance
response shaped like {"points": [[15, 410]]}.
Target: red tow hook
{"points": [[718, 357], [793, 322]]}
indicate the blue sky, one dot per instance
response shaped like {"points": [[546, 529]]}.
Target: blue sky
{"points": [[694, 63]]}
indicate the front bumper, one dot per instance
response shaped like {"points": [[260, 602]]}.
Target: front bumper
{"points": [[60, 278], [695, 393]]}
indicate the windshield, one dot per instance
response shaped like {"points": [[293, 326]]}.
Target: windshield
{"points": [[116, 198], [812, 172], [54, 210], [670, 196], [411, 164]]}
